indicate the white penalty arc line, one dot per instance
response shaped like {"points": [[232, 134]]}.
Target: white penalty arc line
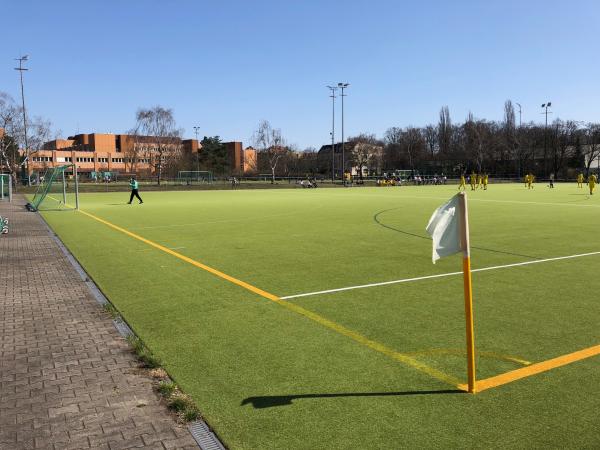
{"points": [[441, 275]]}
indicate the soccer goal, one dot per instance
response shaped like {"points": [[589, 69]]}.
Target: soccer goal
{"points": [[194, 176], [58, 189], [5, 187]]}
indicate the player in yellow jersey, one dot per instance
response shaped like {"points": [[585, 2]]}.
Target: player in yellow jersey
{"points": [[592, 181], [473, 180], [463, 182], [530, 179], [580, 180], [526, 179], [485, 181]]}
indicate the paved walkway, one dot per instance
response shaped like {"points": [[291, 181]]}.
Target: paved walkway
{"points": [[67, 378]]}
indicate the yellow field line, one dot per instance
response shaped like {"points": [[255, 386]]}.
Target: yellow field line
{"points": [[373, 345], [534, 369], [461, 352]]}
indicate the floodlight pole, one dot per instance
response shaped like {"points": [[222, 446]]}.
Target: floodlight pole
{"points": [[343, 86], [546, 106], [332, 89], [21, 69], [519, 105], [197, 152]]}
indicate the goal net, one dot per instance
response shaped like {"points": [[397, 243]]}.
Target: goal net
{"points": [[58, 189], [194, 176]]}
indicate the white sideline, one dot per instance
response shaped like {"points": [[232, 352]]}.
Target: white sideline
{"points": [[406, 280]]}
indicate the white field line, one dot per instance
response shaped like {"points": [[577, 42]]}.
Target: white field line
{"points": [[484, 200], [408, 280]]}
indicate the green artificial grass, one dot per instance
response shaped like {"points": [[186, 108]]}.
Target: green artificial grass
{"points": [[264, 376]]}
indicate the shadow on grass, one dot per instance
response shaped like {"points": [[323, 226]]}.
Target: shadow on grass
{"points": [[427, 238], [269, 401]]}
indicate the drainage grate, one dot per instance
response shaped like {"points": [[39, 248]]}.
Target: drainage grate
{"points": [[205, 438], [123, 328]]}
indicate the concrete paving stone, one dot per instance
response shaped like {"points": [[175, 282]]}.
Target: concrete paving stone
{"points": [[66, 377]]}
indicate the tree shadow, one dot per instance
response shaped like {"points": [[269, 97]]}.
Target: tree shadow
{"points": [[269, 401]]}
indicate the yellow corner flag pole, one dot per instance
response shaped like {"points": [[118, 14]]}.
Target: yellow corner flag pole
{"points": [[464, 234]]}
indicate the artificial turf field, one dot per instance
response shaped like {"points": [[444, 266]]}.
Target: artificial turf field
{"points": [[372, 367]]}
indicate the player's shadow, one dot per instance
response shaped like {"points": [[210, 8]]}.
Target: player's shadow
{"points": [[269, 401]]}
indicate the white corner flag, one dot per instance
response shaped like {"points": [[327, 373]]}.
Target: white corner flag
{"points": [[449, 229], [444, 228]]}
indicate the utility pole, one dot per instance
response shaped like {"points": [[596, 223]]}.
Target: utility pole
{"points": [[519, 105], [21, 69], [343, 86], [332, 89], [197, 152], [546, 105]]}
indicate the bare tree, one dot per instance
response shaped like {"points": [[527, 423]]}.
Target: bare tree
{"points": [[592, 145], [132, 148], [270, 143], [366, 152], [38, 132], [165, 146], [445, 130], [430, 134], [9, 148], [562, 142]]}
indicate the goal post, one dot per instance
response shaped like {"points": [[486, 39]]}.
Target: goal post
{"points": [[196, 176], [58, 189], [5, 187]]}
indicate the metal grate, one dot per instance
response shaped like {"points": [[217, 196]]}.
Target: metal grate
{"points": [[205, 438], [123, 328]]}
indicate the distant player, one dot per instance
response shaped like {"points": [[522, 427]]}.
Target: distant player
{"points": [[479, 181], [485, 181], [530, 179], [580, 180], [473, 180], [551, 185], [463, 182], [133, 184], [592, 181], [526, 179]]}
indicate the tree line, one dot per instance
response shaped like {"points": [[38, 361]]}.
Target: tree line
{"points": [[500, 148]]}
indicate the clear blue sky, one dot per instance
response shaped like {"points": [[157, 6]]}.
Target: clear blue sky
{"points": [[226, 65]]}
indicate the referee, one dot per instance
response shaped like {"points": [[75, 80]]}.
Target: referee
{"points": [[134, 191]]}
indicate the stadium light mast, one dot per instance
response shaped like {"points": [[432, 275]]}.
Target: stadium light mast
{"points": [[332, 89], [546, 106], [519, 105], [21, 69], [343, 86], [197, 150]]}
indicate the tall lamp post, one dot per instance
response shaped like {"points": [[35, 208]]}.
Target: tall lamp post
{"points": [[519, 105], [343, 86], [332, 89], [546, 106], [21, 69], [197, 152]]}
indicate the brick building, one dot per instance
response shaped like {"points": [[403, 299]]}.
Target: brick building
{"points": [[126, 154]]}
